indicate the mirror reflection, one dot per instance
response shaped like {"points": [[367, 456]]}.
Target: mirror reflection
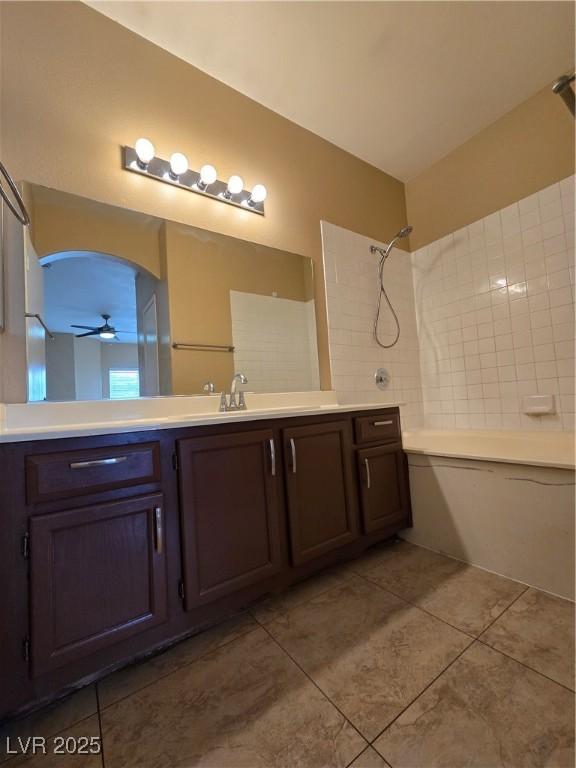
{"points": [[140, 307]]}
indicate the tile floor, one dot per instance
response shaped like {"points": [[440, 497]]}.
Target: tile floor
{"points": [[402, 658]]}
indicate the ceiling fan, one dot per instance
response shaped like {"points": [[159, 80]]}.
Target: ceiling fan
{"points": [[104, 331]]}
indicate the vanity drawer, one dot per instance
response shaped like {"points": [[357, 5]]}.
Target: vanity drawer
{"points": [[53, 476], [381, 428]]}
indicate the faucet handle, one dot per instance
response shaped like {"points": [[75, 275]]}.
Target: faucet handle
{"points": [[209, 387], [223, 403], [241, 401]]}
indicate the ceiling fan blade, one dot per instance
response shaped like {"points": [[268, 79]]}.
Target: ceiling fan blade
{"points": [[90, 333], [87, 327]]}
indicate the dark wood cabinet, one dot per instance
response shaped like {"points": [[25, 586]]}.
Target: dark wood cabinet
{"points": [[321, 509], [116, 545], [97, 576], [53, 476], [230, 510], [384, 494]]}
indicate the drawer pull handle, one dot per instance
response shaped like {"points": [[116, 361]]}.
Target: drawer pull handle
{"points": [[368, 478], [383, 423], [97, 462], [293, 450], [272, 457], [159, 529]]}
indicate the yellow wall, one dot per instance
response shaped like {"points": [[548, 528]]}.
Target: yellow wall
{"points": [[526, 150], [76, 86], [64, 222]]}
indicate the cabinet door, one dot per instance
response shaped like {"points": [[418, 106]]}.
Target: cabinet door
{"points": [[319, 485], [98, 575], [230, 513], [384, 491]]}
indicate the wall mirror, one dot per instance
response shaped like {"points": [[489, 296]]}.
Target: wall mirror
{"points": [[124, 305]]}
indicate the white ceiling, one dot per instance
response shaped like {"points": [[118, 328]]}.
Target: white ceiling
{"points": [[399, 84], [82, 286]]}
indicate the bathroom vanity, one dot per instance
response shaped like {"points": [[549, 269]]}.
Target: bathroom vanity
{"points": [[117, 544]]}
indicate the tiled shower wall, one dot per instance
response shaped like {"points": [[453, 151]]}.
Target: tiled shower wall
{"points": [[351, 274], [488, 320], [275, 342], [495, 310]]}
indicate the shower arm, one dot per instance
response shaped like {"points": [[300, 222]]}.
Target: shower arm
{"points": [[563, 88]]}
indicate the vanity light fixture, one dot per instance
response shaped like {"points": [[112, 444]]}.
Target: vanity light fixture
{"points": [[258, 195], [178, 165], [235, 186], [144, 153], [142, 159], [208, 175]]}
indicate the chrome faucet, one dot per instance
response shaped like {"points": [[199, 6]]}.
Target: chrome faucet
{"points": [[232, 404]]}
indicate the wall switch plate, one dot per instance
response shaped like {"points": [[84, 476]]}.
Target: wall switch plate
{"points": [[537, 405]]}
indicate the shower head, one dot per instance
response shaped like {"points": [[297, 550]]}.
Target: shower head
{"points": [[404, 232]]}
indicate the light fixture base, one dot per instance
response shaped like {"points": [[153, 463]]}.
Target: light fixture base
{"points": [[159, 170]]}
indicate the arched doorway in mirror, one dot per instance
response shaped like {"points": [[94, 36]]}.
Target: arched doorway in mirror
{"points": [[105, 313]]}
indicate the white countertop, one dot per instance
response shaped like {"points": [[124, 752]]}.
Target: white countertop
{"points": [[44, 421], [539, 449]]}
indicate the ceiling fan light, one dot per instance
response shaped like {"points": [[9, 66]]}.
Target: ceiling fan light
{"points": [[107, 335]]}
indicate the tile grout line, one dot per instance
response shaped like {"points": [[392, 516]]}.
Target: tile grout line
{"points": [[178, 669], [422, 692], [366, 748], [297, 605], [526, 666], [315, 684], [439, 618], [472, 638], [474, 641], [99, 712]]}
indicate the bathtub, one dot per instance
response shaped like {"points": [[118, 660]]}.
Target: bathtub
{"points": [[503, 501]]}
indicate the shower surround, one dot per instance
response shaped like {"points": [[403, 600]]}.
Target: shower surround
{"points": [[495, 312], [351, 275], [486, 315]]}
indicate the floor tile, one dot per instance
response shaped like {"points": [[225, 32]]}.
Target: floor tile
{"points": [[245, 705], [131, 679], [273, 607], [79, 755], [538, 630], [369, 759], [50, 720], [464, 596], [369, 651], [486, 711], [406, 569]]}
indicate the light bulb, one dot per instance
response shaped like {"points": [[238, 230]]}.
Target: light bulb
{"points": [[235, 185], [107, 335], [258, 194], [208, 175], [178, 164], [144, 151]]}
